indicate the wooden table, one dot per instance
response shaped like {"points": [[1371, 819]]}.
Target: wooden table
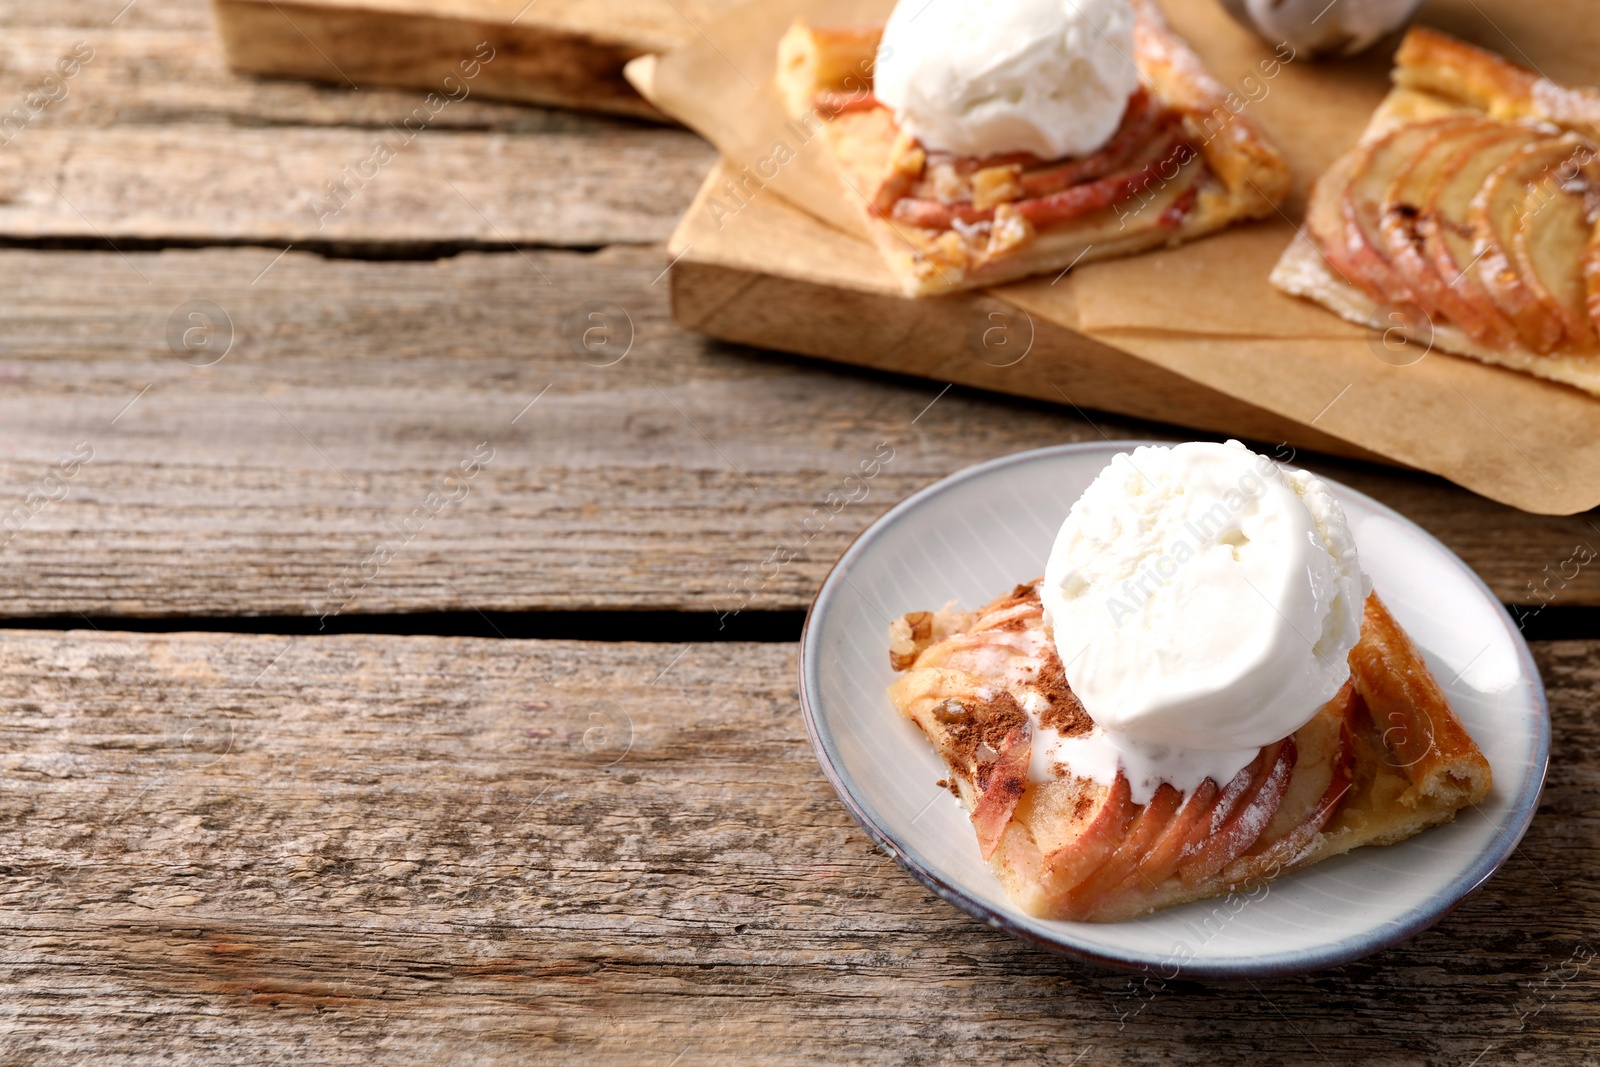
{"points": [[264, 802]]}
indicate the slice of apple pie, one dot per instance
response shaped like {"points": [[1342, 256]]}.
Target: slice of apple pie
{"points": [[1183, 161], [1383, 760], [1466, 215]]}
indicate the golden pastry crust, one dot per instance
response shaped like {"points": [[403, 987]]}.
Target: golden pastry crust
{"points": [[1382, 761], [1429, 767], [1438, 79], [1225, 170], [1252, 170], [1302, 271], [1435, 63]]}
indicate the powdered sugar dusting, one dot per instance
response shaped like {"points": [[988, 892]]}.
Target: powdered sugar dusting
{"points": [[1253, 820], [1565, 106]]}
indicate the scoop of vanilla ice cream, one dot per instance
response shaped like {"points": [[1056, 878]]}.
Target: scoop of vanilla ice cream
{"points": [[985, 77], [1201, 597]]}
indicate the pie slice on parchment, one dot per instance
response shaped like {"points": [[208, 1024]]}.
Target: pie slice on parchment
{"points": [[1184, 162], [1382, 761], [1466, 216]]}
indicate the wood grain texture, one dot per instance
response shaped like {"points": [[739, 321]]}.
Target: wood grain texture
{"points": [[139, 136], [557, 52], [404, 850], [260, 483], [109, 15], [971, 338], [422, 849], [223, 185], [154, 77]]}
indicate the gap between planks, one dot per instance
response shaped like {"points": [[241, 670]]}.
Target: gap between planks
{"points": [[644, 626]]}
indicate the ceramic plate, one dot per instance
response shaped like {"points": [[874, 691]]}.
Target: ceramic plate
{"points": [[975, 535]]}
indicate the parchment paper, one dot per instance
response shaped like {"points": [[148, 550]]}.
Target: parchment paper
{"points": [[1206, 310]]}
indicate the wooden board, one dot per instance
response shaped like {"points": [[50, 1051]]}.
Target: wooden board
{"points": [[764, 272], [342, 850], [722, 287], [568, 53], [662, 481], [1204, 311]]}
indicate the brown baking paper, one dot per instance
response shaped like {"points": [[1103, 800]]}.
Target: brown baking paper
{"points": [[1206, 310]]}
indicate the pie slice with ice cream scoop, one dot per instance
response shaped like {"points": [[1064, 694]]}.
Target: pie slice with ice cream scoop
{"points": [[984, 141], [1325, 729]]}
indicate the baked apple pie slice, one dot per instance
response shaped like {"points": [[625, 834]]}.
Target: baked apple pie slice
{"points": [[1005, 175], [1468, 215], [1383, 760]]}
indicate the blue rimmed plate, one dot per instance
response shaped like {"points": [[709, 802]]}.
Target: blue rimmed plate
{"points": [[977, 533]]}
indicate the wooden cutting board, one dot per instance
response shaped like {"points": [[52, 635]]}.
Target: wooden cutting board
{"points": [[1204, 311], [567, 53], [758, 283]]}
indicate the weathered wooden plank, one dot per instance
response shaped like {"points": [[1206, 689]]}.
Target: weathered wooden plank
{"points": [[263, 483], [341, 849], [108, 15], [148, 77], [367, 187], [111, 132], [143, 135]]}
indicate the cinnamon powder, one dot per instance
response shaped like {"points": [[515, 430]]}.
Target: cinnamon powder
{"points": [[1065, 713], [987, 727]]}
